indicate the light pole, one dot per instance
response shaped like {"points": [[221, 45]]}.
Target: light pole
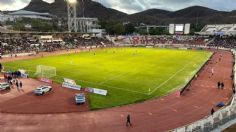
{"points": [[72, 15]]}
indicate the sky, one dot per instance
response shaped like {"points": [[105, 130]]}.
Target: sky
{"points": [[133, 6]]}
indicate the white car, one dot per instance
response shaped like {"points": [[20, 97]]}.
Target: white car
{"points": [[42, 90], [80, 98], [5, 86]]}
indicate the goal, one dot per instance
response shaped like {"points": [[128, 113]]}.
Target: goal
{"points": [[45, 71]]}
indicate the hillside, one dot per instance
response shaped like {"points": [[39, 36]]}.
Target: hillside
{"points": [[89, 8]]}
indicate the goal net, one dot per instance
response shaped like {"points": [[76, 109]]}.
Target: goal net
{"points": [[45, 71]]}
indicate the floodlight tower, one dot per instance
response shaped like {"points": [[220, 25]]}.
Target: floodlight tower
{"points": [[72, 15]]}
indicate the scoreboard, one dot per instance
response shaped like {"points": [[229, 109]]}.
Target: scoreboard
{"points": [[179, 29]]}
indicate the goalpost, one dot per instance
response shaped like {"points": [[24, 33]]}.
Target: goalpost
{"points": [[45, 71]]}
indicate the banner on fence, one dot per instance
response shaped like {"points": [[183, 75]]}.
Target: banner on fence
{"points": [[97, 91], [71, 86], [70, 81], [46, 80], [23, 75]]}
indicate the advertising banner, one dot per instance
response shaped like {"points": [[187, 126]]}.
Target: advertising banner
{"points": [[23, 75], [96, 91], [71, 86], [70, 81], [46, 80]]}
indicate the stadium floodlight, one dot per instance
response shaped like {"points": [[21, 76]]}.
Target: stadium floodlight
{"points": [[71, 1], [72, 15]]}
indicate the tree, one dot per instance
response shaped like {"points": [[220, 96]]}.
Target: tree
{"points": [[113, 27], [18, 26], [118, 29], [196, 28], [129, 28]]}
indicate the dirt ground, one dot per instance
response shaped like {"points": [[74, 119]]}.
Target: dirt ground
{"points": [[156, 115]]}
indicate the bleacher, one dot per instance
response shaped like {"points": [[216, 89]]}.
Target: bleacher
{"points": [[220, 29]]}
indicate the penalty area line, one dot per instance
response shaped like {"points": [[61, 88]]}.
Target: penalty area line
{"points": [[171, 77]]}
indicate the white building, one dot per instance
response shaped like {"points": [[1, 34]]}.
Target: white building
{"points": [[90, 25], [5, 17], [30, 14]]}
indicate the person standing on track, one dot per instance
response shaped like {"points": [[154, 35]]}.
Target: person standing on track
{"points": [[212, 111], [21, 85], [17, 84], [128, 121], [222, 85], [212, 72], [0, 67], [219, 85]]}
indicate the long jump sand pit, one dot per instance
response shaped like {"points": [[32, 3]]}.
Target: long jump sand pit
{"points": [[24, 101]]}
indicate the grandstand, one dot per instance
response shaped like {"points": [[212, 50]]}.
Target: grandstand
{"points": [[30, 14], [221, 29]]}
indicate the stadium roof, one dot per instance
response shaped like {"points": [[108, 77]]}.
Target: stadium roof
{"points": [[218, 29], [24, 12]]}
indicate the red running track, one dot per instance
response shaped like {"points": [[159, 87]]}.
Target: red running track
{"points": [[156, 115]]}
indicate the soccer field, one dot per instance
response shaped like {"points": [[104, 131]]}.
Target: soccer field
{"points": [[129, 74]]}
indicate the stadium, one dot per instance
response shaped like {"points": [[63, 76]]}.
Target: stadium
{"points": [[83, 74]]}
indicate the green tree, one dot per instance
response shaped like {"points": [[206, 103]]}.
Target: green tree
{"points": [[118, 29], [129, 28]]}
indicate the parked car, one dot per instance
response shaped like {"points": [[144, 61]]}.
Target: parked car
{"points": [[80, 98], [41, 90], [5, 86]]}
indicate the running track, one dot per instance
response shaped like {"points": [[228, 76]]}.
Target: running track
{"points": [[156, 115]]}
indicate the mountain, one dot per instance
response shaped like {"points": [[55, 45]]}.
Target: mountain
{"points": [[85, 8], [89, 8], [37, 6]]}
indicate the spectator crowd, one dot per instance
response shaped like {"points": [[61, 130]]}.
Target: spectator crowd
{"points": [[193, 40], [14, 45], [223, 42]]}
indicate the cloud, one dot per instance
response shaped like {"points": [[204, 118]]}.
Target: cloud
{"points": [[6, 1], [133, 6]]}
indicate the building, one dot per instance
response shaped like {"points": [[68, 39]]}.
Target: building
{"points": [[89, 25], [30, 14], [5, 17], [86, 25]]}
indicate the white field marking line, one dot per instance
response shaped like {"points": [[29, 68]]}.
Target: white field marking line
{"points": [[176, 73], [57, 79], [112, 78], [133, 91], [171, 77]]}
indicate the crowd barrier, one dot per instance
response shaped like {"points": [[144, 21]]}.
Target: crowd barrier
{"points": [[220, 120]]}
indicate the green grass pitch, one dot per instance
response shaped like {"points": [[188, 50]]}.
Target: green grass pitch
{"points": [[129, 74]]}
